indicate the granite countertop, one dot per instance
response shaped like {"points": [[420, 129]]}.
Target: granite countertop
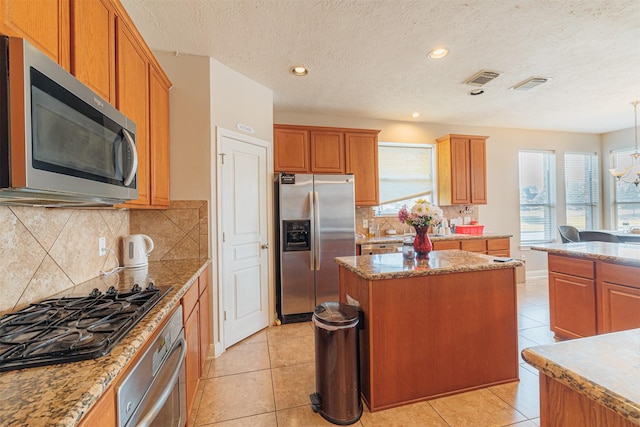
{"points": [[59, 395], [392, 266], [624, 253], [398, 238], [605, 368]]}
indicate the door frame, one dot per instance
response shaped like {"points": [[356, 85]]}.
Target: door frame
{"points": [[219, 304]]}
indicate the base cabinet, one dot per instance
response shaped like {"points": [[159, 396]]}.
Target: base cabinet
{"points": [[592, 297], [497, 247], [103, 413]]}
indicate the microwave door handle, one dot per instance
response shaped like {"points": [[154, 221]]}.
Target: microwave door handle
{"points": [[153, 412], [134, 167]]}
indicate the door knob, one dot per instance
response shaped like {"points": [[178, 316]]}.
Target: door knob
{"points": [[265, 246]]}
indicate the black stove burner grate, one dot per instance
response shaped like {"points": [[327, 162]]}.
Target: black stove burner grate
{"points": [[70, 329]]}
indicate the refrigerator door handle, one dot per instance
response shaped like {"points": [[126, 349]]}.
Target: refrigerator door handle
{"points": [[312, 233], [316, 249]]}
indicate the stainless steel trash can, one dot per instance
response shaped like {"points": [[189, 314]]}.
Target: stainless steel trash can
{"points": [[337, 396]]}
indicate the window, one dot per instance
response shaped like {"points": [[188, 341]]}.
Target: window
{"points": [[582, 190], [626, 196], [537, 196], [405, 174]]}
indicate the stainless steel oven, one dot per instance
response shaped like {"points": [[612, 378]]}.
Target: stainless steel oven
{"points": [[153, 392]]}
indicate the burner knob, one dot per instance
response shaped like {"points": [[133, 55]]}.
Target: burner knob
{"points": [[95, 293], [112, 291], [136, 288], [152, 287]]}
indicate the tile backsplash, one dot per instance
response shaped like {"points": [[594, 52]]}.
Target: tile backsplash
{"points": [[44, 251], [392, 223], [178, 232], [47, 250]]}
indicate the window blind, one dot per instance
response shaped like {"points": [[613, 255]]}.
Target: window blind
{"points": [[537, 196], [405, 171], [582, 189]]}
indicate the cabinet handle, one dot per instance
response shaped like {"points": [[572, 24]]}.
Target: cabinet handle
{"points": [[265, 246]]}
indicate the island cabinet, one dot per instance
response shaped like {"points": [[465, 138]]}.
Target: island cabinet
{"points": [[618, 297], [426, 336], [462, 177], [43, 23], [572, 296], [326, 150]]}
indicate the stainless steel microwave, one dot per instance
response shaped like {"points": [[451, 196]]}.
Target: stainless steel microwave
{"points": [[60, 143]]}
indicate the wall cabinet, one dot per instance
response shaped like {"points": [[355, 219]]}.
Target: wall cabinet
{"points": [[318, 150], [362, 161], [196, 317], [44, 23], [98, 43], [93, 46], [462, 170]]}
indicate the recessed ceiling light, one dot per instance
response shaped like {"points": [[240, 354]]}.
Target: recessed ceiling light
{"points": [[416, 115], [476, 92], [438, 53], [299, 70]]}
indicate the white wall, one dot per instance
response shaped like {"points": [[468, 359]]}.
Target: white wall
{"points": [[622, 139], [501, 213], [206, 95]]}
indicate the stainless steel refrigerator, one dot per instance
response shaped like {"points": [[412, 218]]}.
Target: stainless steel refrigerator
{"points": [[315, 224]]}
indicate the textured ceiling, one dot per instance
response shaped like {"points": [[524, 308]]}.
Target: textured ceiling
{"points": [[367, 58]]}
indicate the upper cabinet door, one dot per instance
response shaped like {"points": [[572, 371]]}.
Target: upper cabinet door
{"points": [[291, 150], [460, 183], [478, 174], [362, 161], [44, 23], [159, 137], [132, 98], [327, 151], [93, 59]]}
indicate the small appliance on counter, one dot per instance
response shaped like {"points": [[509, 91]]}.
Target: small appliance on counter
{"points": [[136, 249]]}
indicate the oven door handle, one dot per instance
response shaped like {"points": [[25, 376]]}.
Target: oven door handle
{"points": [[166, 387]]}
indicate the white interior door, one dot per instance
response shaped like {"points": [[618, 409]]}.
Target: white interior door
{"points": [[244, 253]]}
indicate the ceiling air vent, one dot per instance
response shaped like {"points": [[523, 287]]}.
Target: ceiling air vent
{"points": [[530, 83], [481, 78]]}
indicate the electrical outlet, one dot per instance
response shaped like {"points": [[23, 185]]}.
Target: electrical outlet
{"points": [[102, 246], [365, 223]]}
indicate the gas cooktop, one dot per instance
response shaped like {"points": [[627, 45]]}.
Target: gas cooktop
{"points": [[70, 329]]}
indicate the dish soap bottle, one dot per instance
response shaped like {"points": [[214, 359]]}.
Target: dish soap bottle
{"points": [[372, 229]]}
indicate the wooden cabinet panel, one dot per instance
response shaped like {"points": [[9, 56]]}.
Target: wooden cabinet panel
{"points": [[498, 244], [479, 245], [205, 328], [291, 150], [159, 137], [103, 413], [44, 23], [189, 301], [572, 305], [462, 170], [132, 99], [192, 362], [619, 308], [446, 244], [327, 151], [572, 266], [93, 59], [478, 171], [362, 161]]}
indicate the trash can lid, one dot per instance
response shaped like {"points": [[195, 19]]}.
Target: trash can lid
{"points": [[336, 313]]}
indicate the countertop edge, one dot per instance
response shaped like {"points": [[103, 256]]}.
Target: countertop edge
{"points": [[570, 249], [155, 317], [399, 238], [621, 406]]}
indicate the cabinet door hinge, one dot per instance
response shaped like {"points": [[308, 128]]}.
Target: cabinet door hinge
{"points": [[225, 315], [222, 157], [224, 237]]}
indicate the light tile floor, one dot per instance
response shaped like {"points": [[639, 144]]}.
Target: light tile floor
{"points": [[265, 381]]}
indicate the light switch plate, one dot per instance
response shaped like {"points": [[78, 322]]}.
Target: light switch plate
{"points": [[365, 223], [102, 246]]}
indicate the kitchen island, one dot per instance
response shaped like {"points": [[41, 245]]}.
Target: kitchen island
{"points": [[594, 288], [589, 382], [432, 327]]}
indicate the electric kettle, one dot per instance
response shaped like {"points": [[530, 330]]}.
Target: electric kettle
{"points": [[136, 249]]}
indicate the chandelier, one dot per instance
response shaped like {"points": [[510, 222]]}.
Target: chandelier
{"points": [[631, 174]]}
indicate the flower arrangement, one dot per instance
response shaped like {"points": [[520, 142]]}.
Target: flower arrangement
{"points": [[422, 214]]}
